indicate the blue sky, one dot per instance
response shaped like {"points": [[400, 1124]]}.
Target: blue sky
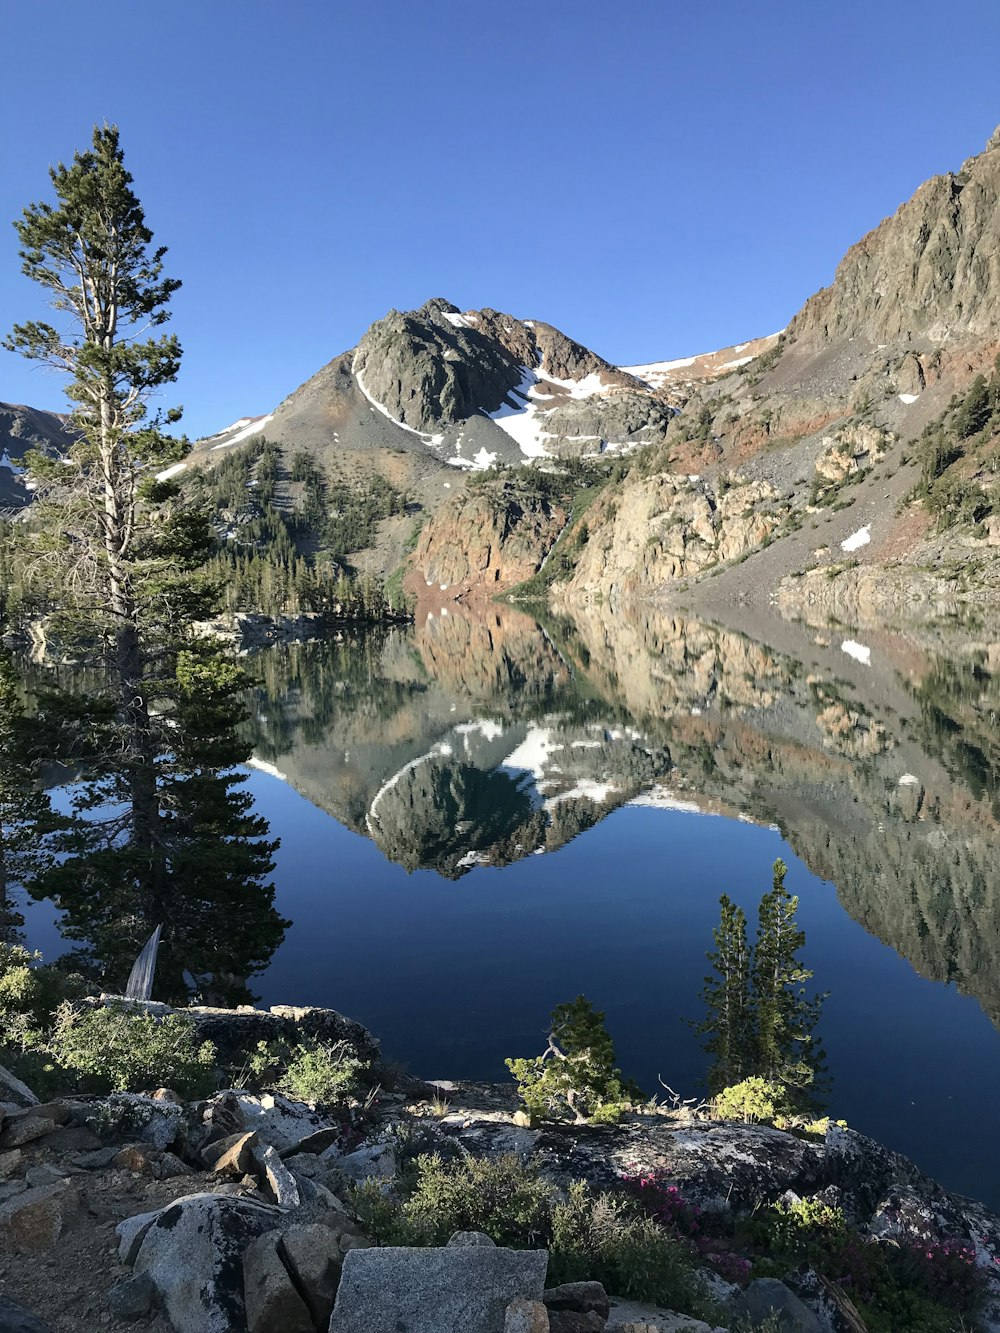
{"points": [[656, 178]]}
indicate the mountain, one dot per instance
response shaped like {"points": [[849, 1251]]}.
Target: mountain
{"points": [[847, 465], [21, 429], [850, 468]]}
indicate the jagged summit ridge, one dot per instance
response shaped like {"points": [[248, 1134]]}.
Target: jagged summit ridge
{"points": [[930, 272]]}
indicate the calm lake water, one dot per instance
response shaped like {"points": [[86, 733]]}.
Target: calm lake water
{"points": [[484, 816]]}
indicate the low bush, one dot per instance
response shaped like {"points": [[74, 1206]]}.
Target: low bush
{"points": [[601, 1236], [321, 1072], [501, 1197], [117, 1048], [607, 1238], [309, 1070], [753, 1101]]}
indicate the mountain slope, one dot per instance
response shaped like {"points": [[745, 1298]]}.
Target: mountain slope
{"points": [[21, 429], [861, 487]]}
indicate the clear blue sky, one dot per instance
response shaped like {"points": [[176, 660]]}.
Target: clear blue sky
{"points": [[655, 177]]}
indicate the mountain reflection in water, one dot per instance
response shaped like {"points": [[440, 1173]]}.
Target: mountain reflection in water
{"points": [[477, 740], [492, 852]]}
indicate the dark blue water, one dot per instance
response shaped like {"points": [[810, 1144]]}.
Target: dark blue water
{"points": [[415, 763], [456, 976]]}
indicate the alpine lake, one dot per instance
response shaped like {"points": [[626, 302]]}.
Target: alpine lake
{"points": [[482, 816]]}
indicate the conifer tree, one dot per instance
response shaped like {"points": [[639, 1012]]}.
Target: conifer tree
{"points": [[123, 557], [26, 817], [784, 1015], [760, 1020], [728, 1027]]}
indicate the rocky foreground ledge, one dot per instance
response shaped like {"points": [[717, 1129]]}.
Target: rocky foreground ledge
{"points": [[233, 1213]]}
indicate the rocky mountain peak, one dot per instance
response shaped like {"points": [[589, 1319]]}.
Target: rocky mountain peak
{"points": [[930, 272]]}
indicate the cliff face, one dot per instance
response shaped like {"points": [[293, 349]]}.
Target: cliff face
{"points": [[930, 272], [659, 528], [483, 541]]}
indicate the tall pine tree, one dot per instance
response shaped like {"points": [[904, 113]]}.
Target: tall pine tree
{"points": [[161, 832], [728, 1027], [785, 1016], [760, 1018]]}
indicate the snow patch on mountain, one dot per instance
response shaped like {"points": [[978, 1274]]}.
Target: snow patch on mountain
{"points": [[244, 428]]}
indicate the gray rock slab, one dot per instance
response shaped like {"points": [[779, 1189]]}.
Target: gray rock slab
{"points": [[13, 1090], [372, 1161], [582, 1297], [272, 1303], [278, 1180], [16, 1319], [526, 1317], [280, 1121], [767, 1296], [36, 1219], [633, 1316], [193, 1253], [132, 1298], [312, 1257], [131, 1233], [465, 1289]]}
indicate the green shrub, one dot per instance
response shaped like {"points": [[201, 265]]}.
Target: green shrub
{"points": [[601, 1236], [320, 1072], [576, 1075], [30, 993], [755, 1099], [605, 1238], [120, 1049], [499, 1196]]}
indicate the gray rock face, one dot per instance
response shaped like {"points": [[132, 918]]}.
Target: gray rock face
{"points": [[193, 1253], [132, 1298], [35, 1218], [461, 1290], [13, 1090], [584, 1297], [931, 270], [277, 1120], [21, 429], [312, 1257], [279, 1181], [526, 1317], [373, 1161], [272, 1303], [427, 372], [767, 1296]]}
